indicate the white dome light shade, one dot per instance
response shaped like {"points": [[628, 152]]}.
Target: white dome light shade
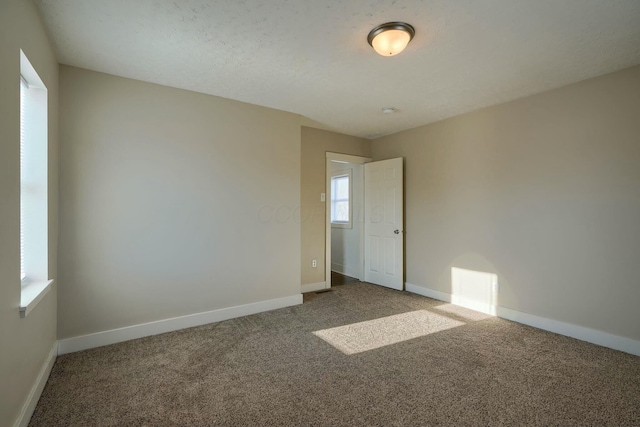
{"points": [[391, 38], [390, 42]]}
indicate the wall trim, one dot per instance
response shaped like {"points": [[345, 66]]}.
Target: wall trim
{"points": [[443, 296], [427, 292], [582, 333], [312, 287], [347, 158], [99, 339], [346, 270], [36, 390]]}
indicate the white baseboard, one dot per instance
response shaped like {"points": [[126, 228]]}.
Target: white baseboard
{"points": [[574, 331], [36, 391], [427, 292], [346, 270], [99, 339], [337, 268], [312, 287], [443, 296], [593, 336]]}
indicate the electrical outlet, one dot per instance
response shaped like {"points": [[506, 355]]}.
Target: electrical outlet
{"points": [[314, 263]]}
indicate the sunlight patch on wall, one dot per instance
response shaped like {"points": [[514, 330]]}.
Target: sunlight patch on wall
{"points": [[363, 336], [476, 290]]}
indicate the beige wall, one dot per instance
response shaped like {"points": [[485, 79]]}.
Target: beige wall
{"points": [[543, 191], [168, 202], [315, 144], [24, 343]]}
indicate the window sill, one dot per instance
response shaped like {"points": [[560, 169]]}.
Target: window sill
{"points": [[31, 294], [341, 225]]}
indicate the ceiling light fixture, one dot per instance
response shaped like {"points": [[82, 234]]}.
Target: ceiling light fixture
{"points": [[391, 38]]}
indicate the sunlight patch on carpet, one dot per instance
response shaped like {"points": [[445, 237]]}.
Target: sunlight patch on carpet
{"points": [[363, 336]]}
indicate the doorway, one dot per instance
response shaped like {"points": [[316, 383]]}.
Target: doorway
{"points": [[346, 202], [344, 233], [364, 220]]}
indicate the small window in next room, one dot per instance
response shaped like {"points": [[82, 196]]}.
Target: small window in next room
{"points": [[34, 256], [341, 199]]}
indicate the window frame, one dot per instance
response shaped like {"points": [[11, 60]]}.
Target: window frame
{"points": [[347, 172], [34, 187]]}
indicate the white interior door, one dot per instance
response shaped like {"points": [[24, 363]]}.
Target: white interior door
{"points": [[384, 223]]}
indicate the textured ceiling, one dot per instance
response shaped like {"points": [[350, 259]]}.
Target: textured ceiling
{"points": [[311, 57]]}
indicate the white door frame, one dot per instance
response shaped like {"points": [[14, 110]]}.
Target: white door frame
{"points": [[346, 158]]}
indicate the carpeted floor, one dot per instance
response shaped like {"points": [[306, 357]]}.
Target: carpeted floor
{"points": [[359, 355], [337, 279]]}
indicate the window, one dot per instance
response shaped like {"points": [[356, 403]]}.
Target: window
{"points": [[34, 263], [341, 199], [24, 87]]}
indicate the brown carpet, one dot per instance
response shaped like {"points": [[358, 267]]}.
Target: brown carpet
{"points": [[439, 365], [337, 279]]}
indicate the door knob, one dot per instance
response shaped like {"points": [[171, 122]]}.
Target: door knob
{"points": [[396, 231]]}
